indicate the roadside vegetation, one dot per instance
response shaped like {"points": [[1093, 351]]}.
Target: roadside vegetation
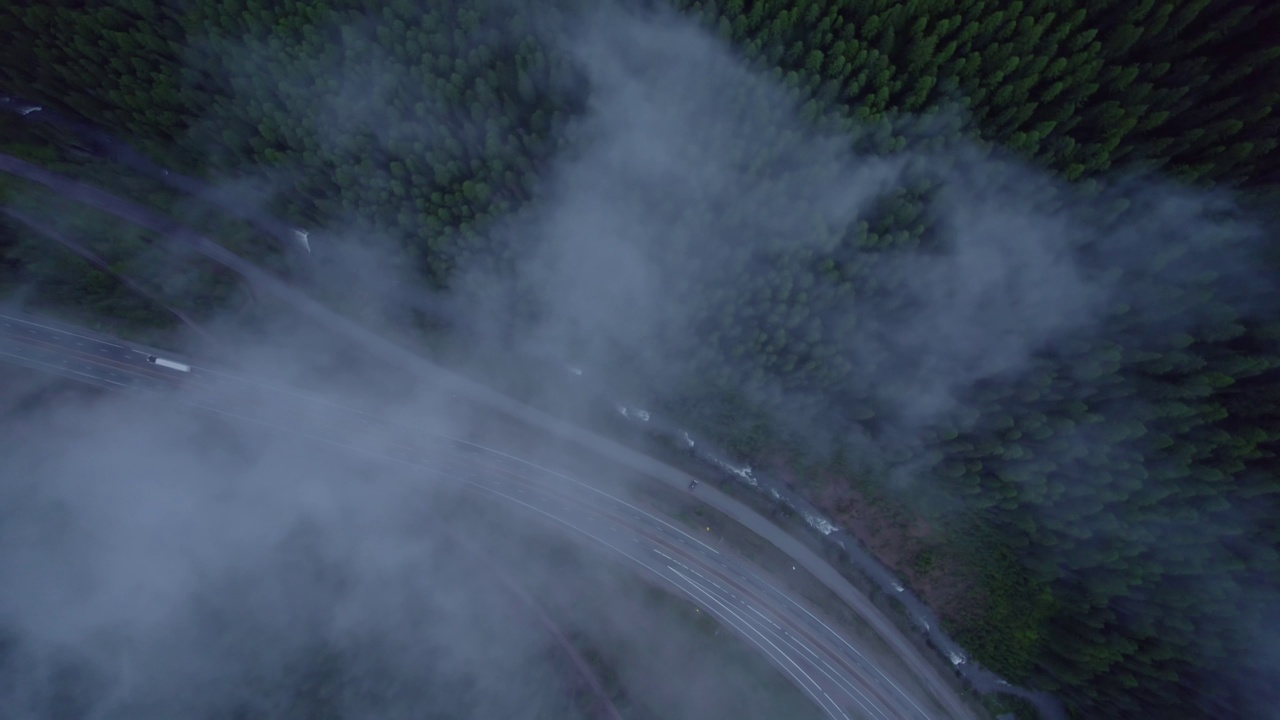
{"points": [[1087, 569], [63, 151], [1002, 705], [77, 259]]}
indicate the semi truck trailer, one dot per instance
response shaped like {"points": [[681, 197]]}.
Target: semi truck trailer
{"points": [[168, 363]]}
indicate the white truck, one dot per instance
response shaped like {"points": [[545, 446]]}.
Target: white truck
{"points": [[168, 363]]}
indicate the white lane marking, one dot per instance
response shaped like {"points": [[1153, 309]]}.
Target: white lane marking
{"points": [[752, 627], [865, 661], [857, 695], [59, 330], [840, 678], [729, 622], [767, 619], [55, 367], [668, 557]]}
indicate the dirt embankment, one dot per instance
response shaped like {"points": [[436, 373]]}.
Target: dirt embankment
{"points": [[914, 549]]}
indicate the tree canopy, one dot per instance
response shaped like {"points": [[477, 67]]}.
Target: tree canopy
{"points": [[1122, 482]]}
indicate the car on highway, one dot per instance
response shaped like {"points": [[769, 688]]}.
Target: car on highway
{"points": [[168, 363]]}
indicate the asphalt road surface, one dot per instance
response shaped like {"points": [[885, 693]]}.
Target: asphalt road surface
{"points": [[379, 346], [816, 657]]}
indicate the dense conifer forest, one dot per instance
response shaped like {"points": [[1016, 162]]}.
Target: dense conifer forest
{"points": [[1117, 496]]}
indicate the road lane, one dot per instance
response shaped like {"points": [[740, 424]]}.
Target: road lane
{"points": [[842, 689]]}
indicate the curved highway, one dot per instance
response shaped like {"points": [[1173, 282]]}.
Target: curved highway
{"points": [[817, 659], [483, 396], [105, 144]]}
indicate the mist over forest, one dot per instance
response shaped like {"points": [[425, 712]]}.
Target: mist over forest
{"points": [[1012, 281]]}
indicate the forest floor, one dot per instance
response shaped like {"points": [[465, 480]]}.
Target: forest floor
{"points": [[915, 550]]}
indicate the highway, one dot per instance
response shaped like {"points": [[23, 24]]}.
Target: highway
{"points": [[102, 143], [816, 658], [379, 346]]}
